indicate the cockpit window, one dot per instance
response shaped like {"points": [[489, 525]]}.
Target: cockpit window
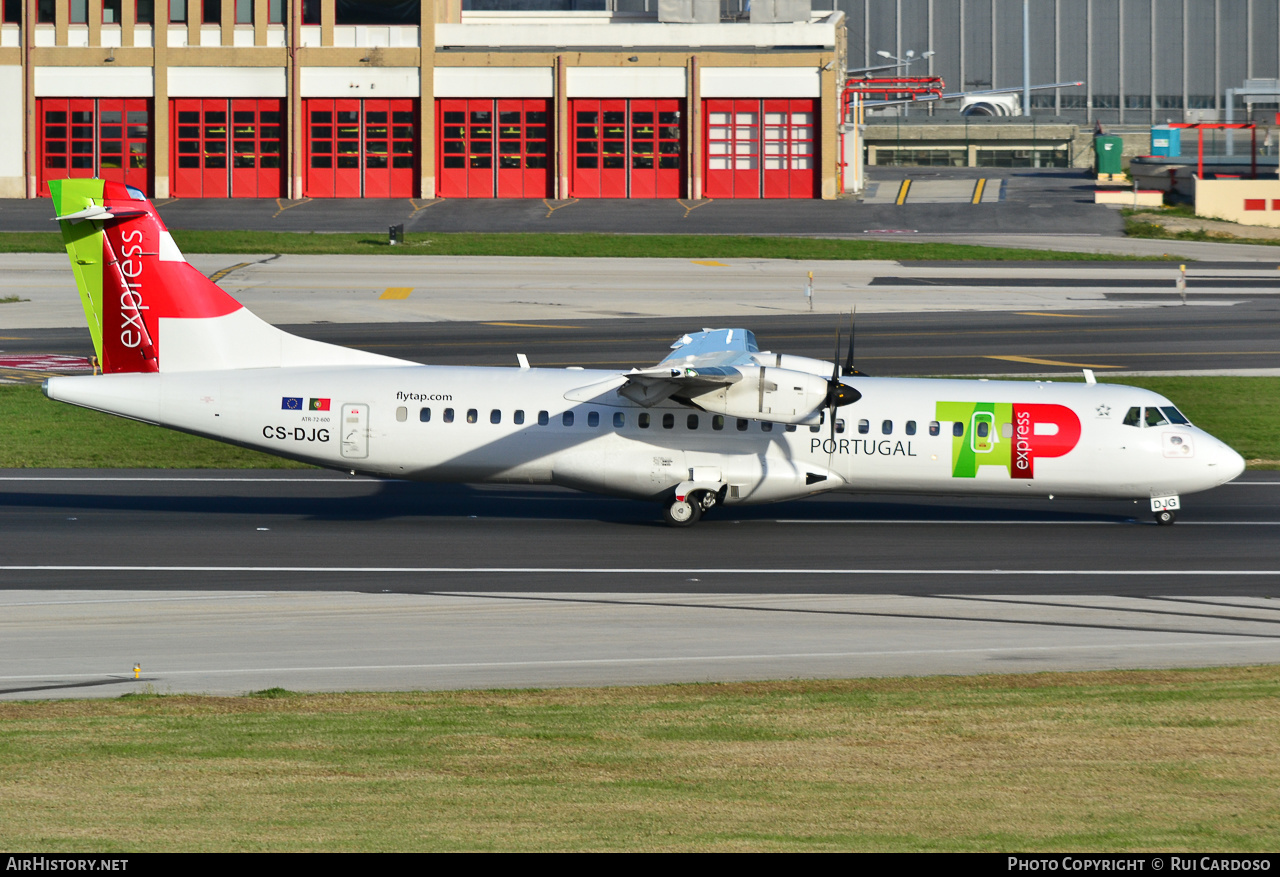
{"points": [[1174, 415], [1133, 417], [1155, 418]]}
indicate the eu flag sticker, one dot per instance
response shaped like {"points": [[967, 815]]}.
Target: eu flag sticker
{"points": [[291, 403], [319, 405]]}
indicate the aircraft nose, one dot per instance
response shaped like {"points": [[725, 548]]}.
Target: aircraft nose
{"points": [[1227, 464]]}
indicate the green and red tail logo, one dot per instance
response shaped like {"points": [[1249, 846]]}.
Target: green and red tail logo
{"points": [[1007, 434]]}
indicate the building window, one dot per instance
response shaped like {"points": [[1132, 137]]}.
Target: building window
{"points": [[378, 12], [13, 11], [178, 11], [110, 11], [212, 11], [275, 12], [244, 11], [310, 11], [79, 12]]}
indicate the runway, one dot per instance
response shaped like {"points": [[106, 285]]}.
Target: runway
{"points": [[230, 582], [223, 583]]}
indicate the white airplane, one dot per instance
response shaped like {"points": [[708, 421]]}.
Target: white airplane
{"points": [[717, 422]]}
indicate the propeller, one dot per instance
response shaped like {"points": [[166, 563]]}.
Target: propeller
{"points": [[838, 392]]}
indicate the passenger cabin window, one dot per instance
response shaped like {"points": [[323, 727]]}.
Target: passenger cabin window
{"points": [[593, 418], [984, 429], [742, 425], [619, 420], [692, 422], [495, 416], [886, 428], [911, 427], [448, 415], [424, 415], [543, 418], [1006, 430], [935, 428], [790, 427], [957, 429], [840, 426], [567, 419], [766, 426], [643, 420], [717, 421], [518, 417], [864, 426], [402, 414], [472, 415], [668, 421]]}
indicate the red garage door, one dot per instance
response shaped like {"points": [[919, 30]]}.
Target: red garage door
{"points": [[361, 148], [761, 148], [493, 148], [627, 148], [227, 148], [95, 137]]}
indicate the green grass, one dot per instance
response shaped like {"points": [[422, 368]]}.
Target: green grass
{"points": [[1244, 412], [1138, 225], [1115, 761], [675, 246]]}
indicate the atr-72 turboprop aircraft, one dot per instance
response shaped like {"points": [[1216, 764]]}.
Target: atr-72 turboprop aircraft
{"points": [[718, 421]]}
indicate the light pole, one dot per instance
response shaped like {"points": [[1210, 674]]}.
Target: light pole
{"points": [[905, 62]]}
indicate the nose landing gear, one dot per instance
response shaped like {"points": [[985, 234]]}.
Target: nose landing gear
{"points": [[1165, 508]]}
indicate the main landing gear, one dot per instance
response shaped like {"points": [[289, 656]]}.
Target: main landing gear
{"points": [[688, 511]]}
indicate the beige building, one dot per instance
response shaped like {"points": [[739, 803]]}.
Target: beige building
{"points": [[315, 98]]}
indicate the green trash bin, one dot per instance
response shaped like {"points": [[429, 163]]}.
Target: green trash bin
{"points": [[1108, 149]]}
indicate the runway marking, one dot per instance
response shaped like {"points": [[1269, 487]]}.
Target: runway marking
{"points": [[283, 206], [710, 264], [531, 325], [1042, 314], [666, 659], [44, 361], [218, 275], [396, 293], [1034, 361], [902, 192], [1028, 523], [603, 570], [299, 480], [552, 208], [417, 209], [689, 208], [977, 191]]}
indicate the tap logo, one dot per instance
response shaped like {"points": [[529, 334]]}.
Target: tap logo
{"points": [[1007, 434]]}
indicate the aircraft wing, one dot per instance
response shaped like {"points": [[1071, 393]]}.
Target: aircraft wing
{"points": [[699, 362]]}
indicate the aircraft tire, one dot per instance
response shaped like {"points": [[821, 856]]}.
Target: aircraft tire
{"points": [[682, 513], [1165, 518]]}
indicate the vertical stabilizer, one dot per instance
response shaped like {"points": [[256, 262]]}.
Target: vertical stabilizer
{"points": [[130, 273]]}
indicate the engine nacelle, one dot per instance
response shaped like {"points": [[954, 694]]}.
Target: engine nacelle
{"points": [[777, 394], [804, 364]]}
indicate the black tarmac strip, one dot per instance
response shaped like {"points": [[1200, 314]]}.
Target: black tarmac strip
{"points": [[1243, 335], [1036, 201], [317, 531]]}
